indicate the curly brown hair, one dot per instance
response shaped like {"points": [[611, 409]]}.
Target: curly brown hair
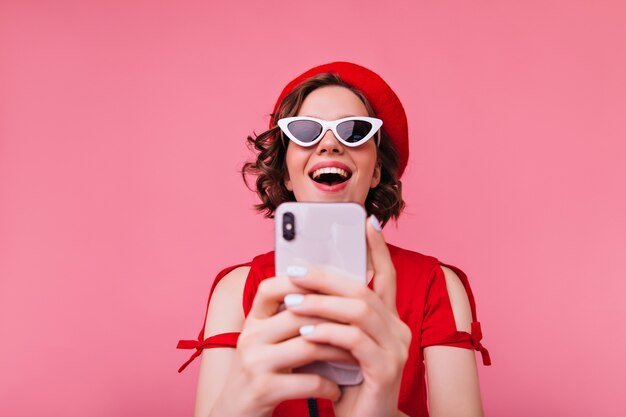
{"points": [[384, 201]]}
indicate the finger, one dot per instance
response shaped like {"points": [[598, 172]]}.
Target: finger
{"points": [[292, 386], [384, 270], [269, 296], [345, 310], [298, 351], [364, 349], [314, 279], [275, 329]]}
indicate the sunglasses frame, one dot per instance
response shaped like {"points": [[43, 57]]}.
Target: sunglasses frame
{"points": [[332, 125]]}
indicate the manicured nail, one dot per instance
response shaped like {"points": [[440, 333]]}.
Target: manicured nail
{"points": [[296, 271], [375, 223], [308, 329], [292, 300]]}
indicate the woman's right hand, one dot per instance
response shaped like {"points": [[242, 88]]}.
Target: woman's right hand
{"points": [[269, 347]]}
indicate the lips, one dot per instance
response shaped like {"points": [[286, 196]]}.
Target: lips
{"points": [[330, 175]]}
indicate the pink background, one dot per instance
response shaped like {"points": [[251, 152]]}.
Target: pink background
{"points": [[121, 133]]}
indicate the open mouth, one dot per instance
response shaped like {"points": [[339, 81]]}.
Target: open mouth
{"points": [[330, 175]]}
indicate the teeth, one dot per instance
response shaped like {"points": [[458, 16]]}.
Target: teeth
{"points": [[329, 170]]}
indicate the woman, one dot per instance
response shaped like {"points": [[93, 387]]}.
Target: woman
{"points": [[416, 317]]}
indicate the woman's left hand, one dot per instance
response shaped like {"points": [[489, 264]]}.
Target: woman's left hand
{"points": [[364, 323]]}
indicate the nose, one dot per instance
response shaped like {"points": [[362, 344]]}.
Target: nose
{"points": [[329, 144]]}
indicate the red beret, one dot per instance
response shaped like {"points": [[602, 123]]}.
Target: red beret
{"points": [[384, 101]]}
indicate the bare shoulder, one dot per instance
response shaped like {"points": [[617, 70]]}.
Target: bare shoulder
{"points": [[233, 281], [458, 299], [225, 315], [225, 312]]}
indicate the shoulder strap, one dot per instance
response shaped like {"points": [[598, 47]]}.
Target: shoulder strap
{"points": [[220, 340], [476, 331]]}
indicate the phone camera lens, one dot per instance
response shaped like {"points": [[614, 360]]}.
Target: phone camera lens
{"points": [[289, 226]]}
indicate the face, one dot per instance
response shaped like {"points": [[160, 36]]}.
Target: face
{"points": [[304, 164]]}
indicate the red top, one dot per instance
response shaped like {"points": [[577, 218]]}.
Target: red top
{"points": [[422, 302]]}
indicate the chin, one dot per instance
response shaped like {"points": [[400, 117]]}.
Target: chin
{"points": [[326, 197]]}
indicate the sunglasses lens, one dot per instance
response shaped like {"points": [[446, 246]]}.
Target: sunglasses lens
{"points": [[305, 130], [353, 131]]}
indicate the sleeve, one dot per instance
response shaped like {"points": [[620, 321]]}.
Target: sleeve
{"points": [[216, 341], [438, 326]]}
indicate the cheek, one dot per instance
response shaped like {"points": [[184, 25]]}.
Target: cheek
{"points": [[289, 159], [295, 160], [367, 161]]}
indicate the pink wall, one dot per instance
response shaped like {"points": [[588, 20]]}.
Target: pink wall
{"points": [[121, 132]]}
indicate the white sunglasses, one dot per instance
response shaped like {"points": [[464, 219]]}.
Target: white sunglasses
{"points": [[351, 131]]}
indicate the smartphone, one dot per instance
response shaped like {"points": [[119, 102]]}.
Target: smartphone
{"points": [[330, 237]]}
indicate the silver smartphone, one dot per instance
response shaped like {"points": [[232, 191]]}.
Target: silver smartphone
{"points": [[331, 237]]}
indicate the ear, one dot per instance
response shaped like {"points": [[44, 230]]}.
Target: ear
{"points": [[376, 176]]}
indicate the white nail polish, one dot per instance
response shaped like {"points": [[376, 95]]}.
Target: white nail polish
{"points": [[296, 271], [308, 329], [375, 223], [292, 300]]}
